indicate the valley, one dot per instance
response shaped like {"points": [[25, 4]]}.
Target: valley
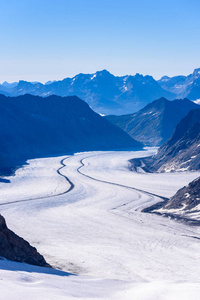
{"points": [[97, 231]]}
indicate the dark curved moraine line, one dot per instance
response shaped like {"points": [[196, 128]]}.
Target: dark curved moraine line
{"points": [[117, 184], [50, 196]]}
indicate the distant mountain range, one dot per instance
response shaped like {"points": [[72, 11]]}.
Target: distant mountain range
{"points": [[104, 92], [183, 86], [155, 123], [32, 126], [179, 153], [109, 94]]}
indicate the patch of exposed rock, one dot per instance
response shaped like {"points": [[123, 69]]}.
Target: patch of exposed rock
{"points": [[184, 205], [186, 198], [15, 248]]}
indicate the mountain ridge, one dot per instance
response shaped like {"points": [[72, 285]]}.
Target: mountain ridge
{"points": [[15, 248], [109, 94], [103, 91], [183, 86], [155, 123], [32, 126], [183, 206]]}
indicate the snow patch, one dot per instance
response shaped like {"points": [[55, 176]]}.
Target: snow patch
{"points": [[94, 76], [187, 195], [197, 101]]}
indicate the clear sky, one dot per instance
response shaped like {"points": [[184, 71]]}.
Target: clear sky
{"points": [[52, 39]]}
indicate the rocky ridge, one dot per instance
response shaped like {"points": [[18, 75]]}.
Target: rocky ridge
{"points": [[15, 248]]}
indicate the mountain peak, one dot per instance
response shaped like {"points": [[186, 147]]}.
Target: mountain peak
{"points": [[196, 72], [165, 78], [103, 72], [158, 102], [5, 83], [155, 123], [103, 91]]}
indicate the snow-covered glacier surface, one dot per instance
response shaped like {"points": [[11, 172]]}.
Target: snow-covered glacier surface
{"points": [[83, 213]]}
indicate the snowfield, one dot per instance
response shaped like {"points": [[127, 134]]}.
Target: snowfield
{"points": [[83, 213]]}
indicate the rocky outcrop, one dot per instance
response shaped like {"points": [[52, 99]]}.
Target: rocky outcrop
{"points": [[15, 248], [184, 205], [186, 198]]}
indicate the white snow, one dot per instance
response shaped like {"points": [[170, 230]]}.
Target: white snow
{"points": [[98, 231], [177, 211], [125, 86], [197, 101], [20, 281], [178, 86], [46, 94], [73, 80], [148, 113], [93, 76], [37, 179]]}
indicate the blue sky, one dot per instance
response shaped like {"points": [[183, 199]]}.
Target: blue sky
{"points": [[46, 40]]}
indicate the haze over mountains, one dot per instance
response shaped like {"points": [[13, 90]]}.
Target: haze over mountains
{"points": [[183, 86], [155, 123], [33, 126], [104, 92], [109, 94]]}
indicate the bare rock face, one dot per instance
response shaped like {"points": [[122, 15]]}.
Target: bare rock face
{"points": [[183, 206], [186, 198], [179, 153], [15, 248]]}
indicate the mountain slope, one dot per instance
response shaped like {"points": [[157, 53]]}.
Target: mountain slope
{"points": [[32, 126], [182, 151], [17, 249], [104, 92], [155, 123], [184, 205]]}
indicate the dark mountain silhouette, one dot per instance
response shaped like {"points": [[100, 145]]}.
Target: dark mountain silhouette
{"points": [[155, 123], [32, 126]]}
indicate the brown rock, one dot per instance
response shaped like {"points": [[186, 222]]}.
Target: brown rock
{"points": [[15, 248]]}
